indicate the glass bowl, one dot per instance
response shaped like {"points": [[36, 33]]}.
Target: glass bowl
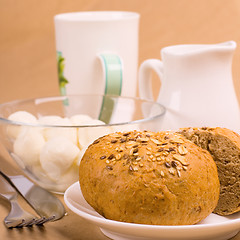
{"points": [[48, 136]]}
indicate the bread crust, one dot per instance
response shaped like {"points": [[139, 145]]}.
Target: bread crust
{"points": [[149, 178], [224, 146]]}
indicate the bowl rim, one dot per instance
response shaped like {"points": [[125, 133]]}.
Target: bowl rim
{"points": [[64, 97]]}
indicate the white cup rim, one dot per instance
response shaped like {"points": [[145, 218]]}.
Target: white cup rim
{"points": [[91, 16]]}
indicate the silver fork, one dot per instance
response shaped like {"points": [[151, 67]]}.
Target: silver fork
{"points": [[17, 216], [45, 204]]}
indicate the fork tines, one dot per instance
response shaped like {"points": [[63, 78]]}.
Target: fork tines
{"points": [[30, 223], [26, 223], [43, 220]]}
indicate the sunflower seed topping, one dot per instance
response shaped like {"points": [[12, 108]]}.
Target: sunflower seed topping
{"points": [[176, 140], [181, 159], [184, 168], [155, 141], [142, 139], [171, 171], [182, 150], [109, 167], [167, 164], [111, 156]]}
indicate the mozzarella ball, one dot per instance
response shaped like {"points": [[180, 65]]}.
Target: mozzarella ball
{"points": [[87, 135], [68, 178], [80, 119], [51, 132], [57, 155], [28, 145], [19, 116]]}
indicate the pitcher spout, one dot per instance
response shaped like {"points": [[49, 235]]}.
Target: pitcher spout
{"points": [[229, 45], [192, 49]]}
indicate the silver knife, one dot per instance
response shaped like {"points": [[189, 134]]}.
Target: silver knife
{"points": [[43, 202]]}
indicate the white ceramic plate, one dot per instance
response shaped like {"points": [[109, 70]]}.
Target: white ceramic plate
{"points": [[214, 227]]}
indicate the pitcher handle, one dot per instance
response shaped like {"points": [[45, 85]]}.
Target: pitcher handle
{"points": [[145, 75]]}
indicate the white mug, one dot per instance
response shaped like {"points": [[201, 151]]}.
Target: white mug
{"points": [[97, 52]]}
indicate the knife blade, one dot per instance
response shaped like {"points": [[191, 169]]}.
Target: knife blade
{"points": [[43, 202]]}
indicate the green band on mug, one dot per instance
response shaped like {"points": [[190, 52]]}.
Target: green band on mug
{"points": [[113, 84], [113, 74]]}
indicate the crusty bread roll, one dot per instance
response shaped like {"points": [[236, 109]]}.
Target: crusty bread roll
{"points": [[224, 146], [149, 178]]}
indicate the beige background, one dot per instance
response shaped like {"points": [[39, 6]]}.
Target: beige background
{"points": [[28, 60], [27, 42]]}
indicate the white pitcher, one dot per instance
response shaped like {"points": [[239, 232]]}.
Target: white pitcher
{"points": [[196, 85]]}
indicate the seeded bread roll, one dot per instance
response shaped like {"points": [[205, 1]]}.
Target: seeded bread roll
{"points": [[224, 146], [149, 178]]}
